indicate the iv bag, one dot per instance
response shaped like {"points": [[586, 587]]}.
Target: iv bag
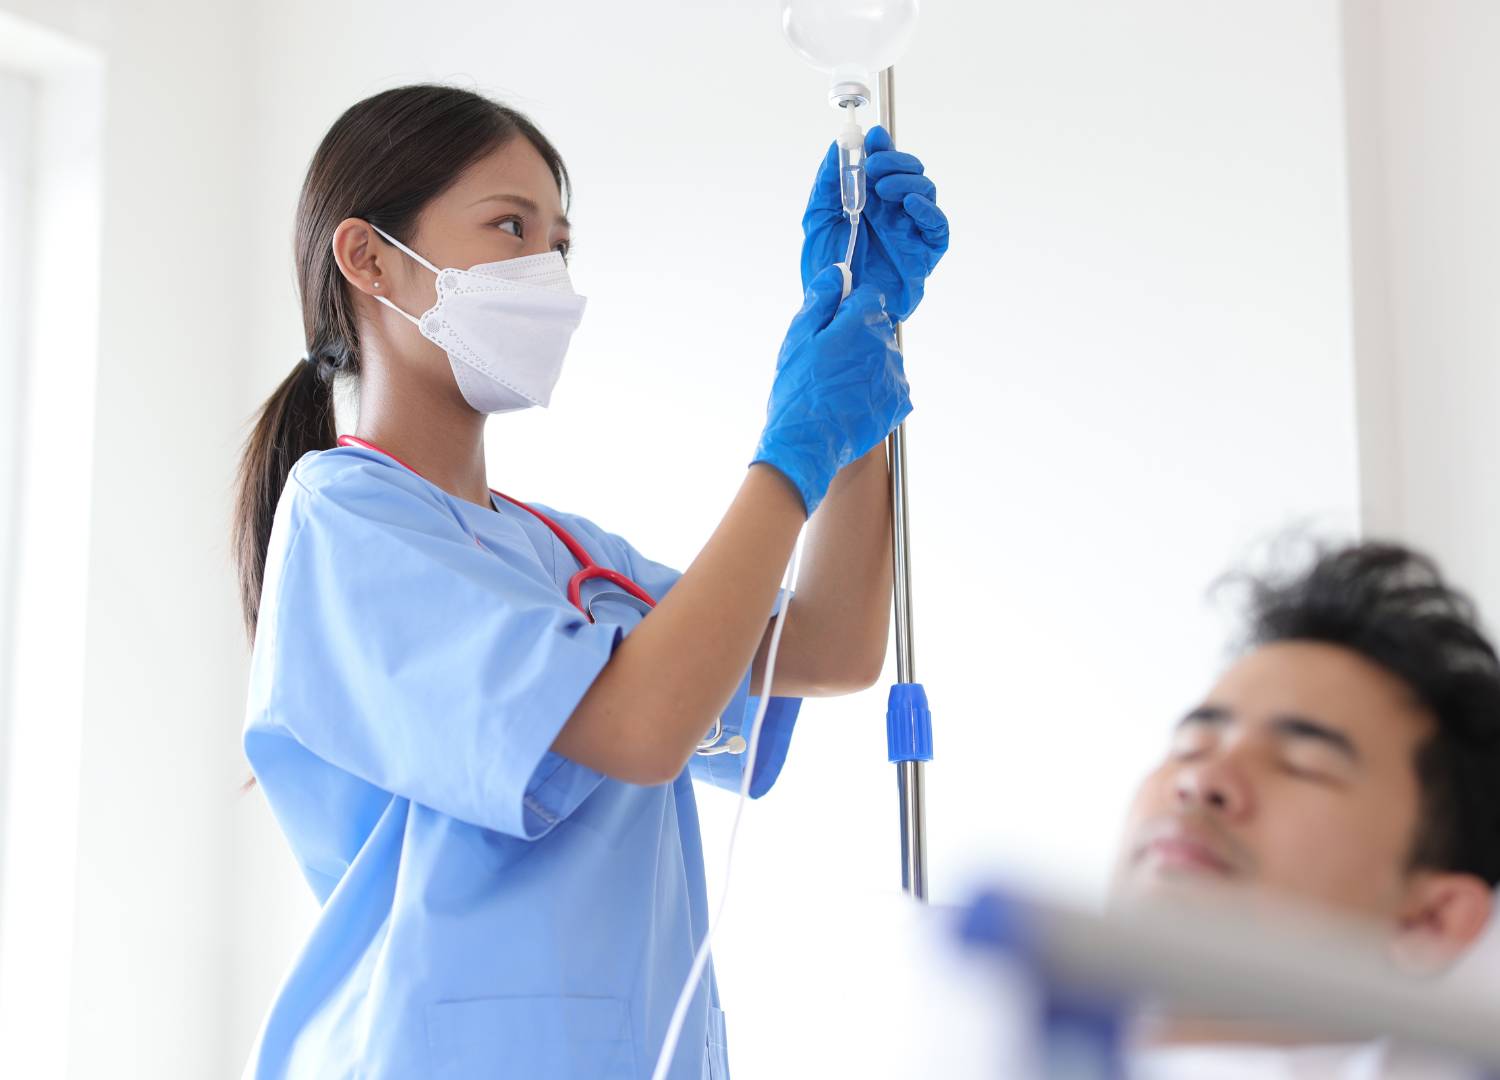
{"points": [[852, 40]]}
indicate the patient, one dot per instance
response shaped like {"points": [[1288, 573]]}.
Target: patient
{"points": [[1350, 757]]}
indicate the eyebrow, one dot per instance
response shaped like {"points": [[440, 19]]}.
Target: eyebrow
{"points": [[1286, 725], [525, 204]]}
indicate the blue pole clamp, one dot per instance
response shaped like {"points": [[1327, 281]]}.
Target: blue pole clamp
{"points": [[908, 724]]}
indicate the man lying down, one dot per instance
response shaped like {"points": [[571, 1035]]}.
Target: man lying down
{"points": [[1350, 758]]}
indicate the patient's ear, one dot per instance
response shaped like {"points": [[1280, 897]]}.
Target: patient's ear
{"points": [[1443, 915]]}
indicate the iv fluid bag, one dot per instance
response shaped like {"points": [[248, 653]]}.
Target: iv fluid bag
{"points": [[849, 38]]}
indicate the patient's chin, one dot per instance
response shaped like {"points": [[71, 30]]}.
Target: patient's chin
{"points": [[1168, 883]]}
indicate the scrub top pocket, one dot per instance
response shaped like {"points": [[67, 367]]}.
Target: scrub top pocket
{"points": [[531, 1038], [716, 1050]]}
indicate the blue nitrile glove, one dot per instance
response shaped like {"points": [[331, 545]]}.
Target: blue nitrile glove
{"points": [[902, 233], [839, 390]]}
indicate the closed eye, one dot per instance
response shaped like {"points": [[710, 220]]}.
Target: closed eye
{"points": [[1317, 776], [1306, 760]]}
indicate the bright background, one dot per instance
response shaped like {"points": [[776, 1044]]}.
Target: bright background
{"points": [[1217, 269]]}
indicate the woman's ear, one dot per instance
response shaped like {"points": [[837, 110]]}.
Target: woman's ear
{"points": [[356, 252], [1443, 915]]}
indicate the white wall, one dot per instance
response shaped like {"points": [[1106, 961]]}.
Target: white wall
{"points": [[1137, 360], [164, 692], [1433, 222], [52, 253], [159, 677], [17, 121]]}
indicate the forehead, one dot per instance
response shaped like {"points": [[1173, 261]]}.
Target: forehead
{"points": [[1336, 686], [515, 168]]}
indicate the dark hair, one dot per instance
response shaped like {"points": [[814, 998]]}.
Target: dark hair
{"points": [[383, 160], [1391, 605]]}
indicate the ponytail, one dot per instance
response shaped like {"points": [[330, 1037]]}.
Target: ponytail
{"points": [[297, 418]]}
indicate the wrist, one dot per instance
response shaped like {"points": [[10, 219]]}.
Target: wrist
{"points": [[784, 486], [858, 471]]}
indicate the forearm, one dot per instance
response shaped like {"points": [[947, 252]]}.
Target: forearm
{"points": [[839, 621], [644, 715]]}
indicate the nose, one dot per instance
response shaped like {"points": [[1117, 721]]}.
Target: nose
{"points": [[1215, 784]]}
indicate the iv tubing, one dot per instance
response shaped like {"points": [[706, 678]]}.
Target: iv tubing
{"points": [[684, 999]]}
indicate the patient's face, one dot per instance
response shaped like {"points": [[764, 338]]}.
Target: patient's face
{"points": [[1295, 774]]}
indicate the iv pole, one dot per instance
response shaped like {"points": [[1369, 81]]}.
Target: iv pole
{"points": [[908, 719]]}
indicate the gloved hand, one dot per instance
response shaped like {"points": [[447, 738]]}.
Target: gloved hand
{"points": [[902, 233], [839, 390]]}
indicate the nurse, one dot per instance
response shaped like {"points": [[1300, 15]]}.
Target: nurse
{"points": [[478, 720]]}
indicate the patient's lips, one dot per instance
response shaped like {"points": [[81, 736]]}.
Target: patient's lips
{"points": [[1174, 847]]}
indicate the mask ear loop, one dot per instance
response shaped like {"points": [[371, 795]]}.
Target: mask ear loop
{"points": [[384, 300]]}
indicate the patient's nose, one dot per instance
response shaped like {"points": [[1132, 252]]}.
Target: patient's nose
{"points": [[1214, 784]]}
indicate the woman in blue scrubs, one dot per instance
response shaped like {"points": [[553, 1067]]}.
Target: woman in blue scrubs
{"points": [[478, 720]]}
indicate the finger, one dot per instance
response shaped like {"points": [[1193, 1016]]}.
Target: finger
{"points": [[877, 139], [822, 299], [866, 304], [931, 220], [826, 183], [895, 189], [892, 161]]}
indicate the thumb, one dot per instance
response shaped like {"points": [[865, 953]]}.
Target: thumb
{"points": [[824, 292]]}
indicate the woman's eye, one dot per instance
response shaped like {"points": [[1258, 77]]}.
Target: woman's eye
{"points": [[512, 225]]}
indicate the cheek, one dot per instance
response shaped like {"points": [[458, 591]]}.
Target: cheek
{"points": [[1332, 849], [1154, 797]]}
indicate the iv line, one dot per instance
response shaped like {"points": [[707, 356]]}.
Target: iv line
{"points": [[852, 194], [700, 960]]}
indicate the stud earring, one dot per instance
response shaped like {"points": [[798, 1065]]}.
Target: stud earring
{"points": [[377, 284]]}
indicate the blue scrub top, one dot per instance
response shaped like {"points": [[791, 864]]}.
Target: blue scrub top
{"points": [[489, 908]]}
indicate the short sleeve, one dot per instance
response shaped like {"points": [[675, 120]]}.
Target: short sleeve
{"points": [[727, 770], [397, 648]]}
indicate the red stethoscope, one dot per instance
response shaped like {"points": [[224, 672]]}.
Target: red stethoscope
{"points": [[590, 569], [714, 742]]}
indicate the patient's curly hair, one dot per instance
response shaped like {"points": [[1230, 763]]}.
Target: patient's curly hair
{"points": [[1391, 605]]}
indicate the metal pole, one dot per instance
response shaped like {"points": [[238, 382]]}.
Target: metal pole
{"points": [[909, 779]]}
